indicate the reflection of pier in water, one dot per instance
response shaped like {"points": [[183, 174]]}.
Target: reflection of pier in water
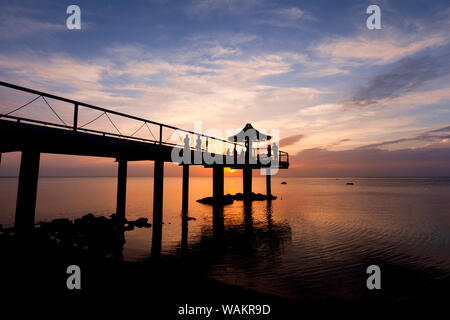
{"points": [[251, 239]]}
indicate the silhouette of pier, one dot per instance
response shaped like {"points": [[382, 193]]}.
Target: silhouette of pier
{"points": [[32, 137]]}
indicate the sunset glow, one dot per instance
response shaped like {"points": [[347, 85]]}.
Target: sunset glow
{"points": [[225, 159], [336, 94]]}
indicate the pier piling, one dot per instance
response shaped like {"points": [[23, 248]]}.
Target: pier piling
{"points": [[268, 184], [27, 191], [247, 182], [121, 189], [158, 185], [218, 183], [185, 201]]}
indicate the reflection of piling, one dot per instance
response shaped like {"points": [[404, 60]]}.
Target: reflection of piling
{"points": [[248, 216], [27, 191], [158, 183], [185, 201], [156, 240], [121, 189], [184, 230], [218, 222], [218, 183], [269, 215]]}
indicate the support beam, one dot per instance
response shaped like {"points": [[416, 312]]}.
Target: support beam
{"points": [[158, 184], [247, 181], [121, 189], [268, 184], [27, 192], [218, 183], [185, 201]]}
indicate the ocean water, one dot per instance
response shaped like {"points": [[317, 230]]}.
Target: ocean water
{"points": [[314, 241]]}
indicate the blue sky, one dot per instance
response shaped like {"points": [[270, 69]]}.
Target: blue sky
{"points": [[308, 68]]}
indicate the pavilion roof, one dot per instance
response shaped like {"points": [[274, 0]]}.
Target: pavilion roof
{"points": [[249, 131]]}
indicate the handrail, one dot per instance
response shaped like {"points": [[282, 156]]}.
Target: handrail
{"points": [[77, 104], [75, 126], [20, 119]]}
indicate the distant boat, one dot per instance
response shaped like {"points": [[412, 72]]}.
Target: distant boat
{"points": [[350, 183], [284, 182]]}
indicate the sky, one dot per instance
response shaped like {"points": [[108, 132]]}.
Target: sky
{"points": [[346, 100]]}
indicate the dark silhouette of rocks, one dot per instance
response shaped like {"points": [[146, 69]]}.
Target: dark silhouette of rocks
{"points": [[97, 237], [140, 223], [350, 183], [229, 198]]}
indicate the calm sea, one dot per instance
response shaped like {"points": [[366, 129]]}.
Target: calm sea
{"points": [[316, 240]]}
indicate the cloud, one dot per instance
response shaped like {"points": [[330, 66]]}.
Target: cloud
{"points": [[202, 8], [338, 143], [255, 11], [432, 135], [320, 109], [291, 140], [292, 13], [16, 22], [363, 49], [285, 17], [425, 161], [12, 27], [217, 91], [429, 97], [400, 78]]}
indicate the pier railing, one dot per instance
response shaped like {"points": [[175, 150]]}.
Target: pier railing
{"points": [[220, 145], [75, 126]]}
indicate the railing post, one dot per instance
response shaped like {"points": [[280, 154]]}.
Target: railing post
{"points": [[206, 144], [160, 134], [235, 150], [75, 117]]}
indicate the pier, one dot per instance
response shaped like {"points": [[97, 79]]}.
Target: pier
{"points": [[33, 137]]}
